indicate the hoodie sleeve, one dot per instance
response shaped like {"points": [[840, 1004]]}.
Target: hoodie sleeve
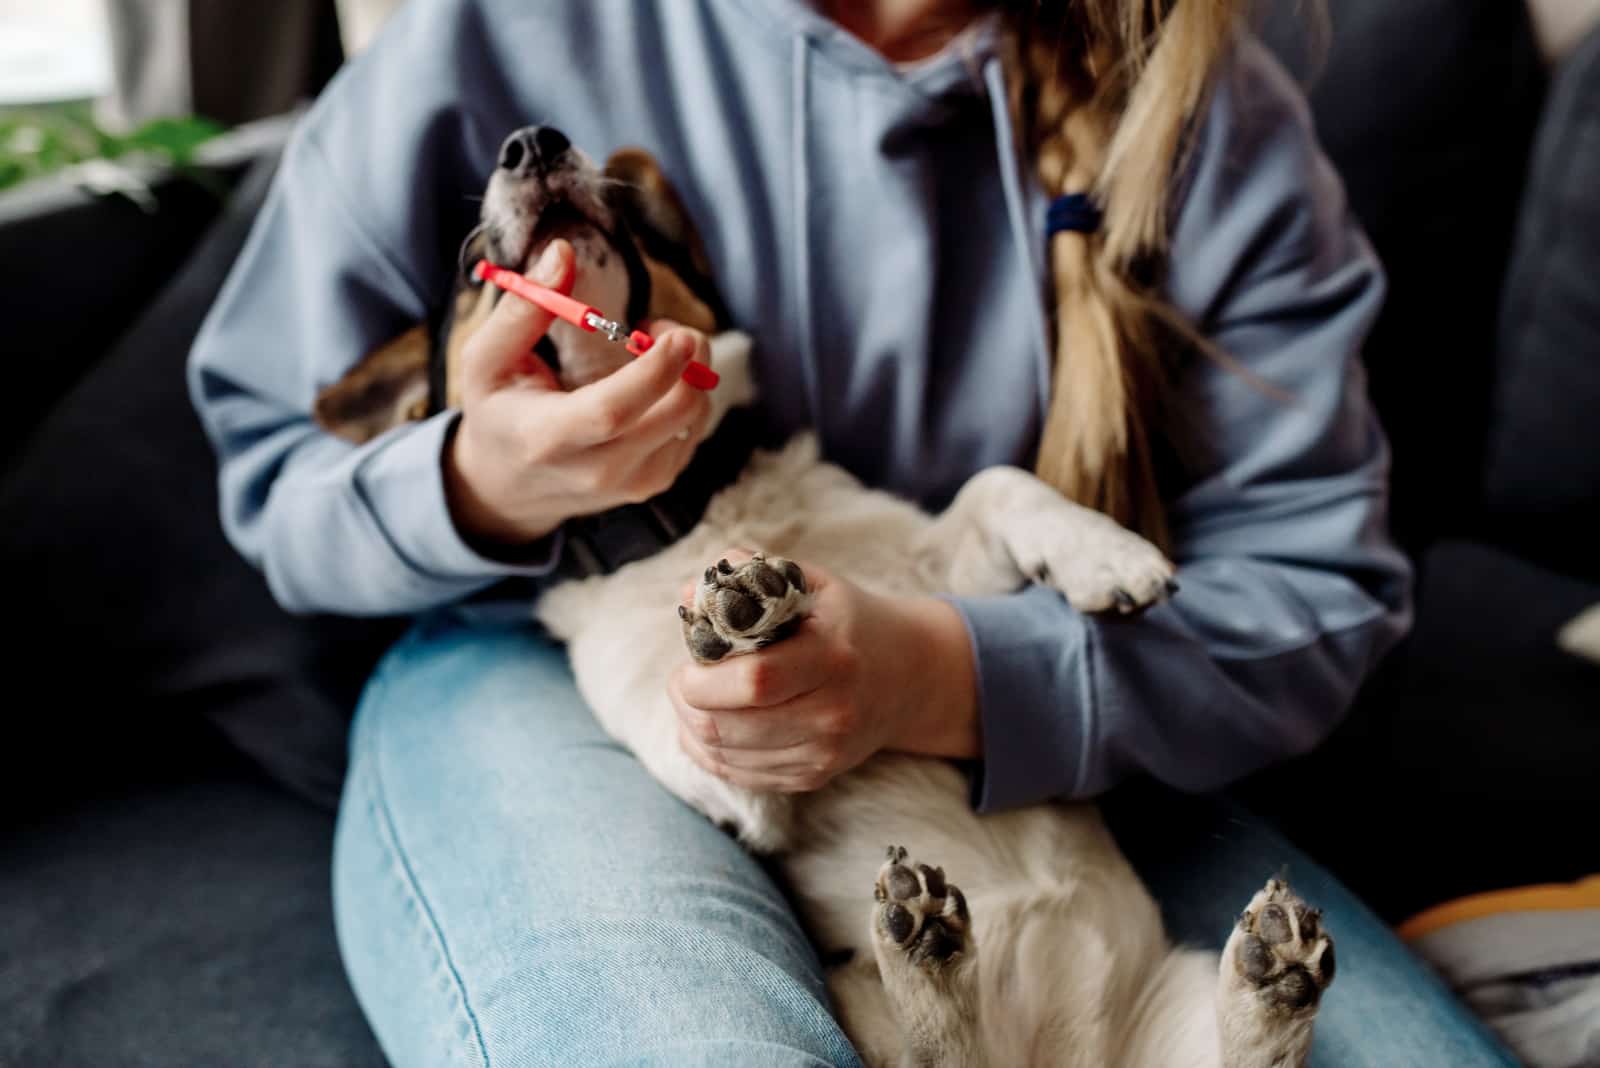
{"points": [[1291, 590], [354, 243]]}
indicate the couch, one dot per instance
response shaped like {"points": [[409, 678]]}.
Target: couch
{"points": [[174, 742]]}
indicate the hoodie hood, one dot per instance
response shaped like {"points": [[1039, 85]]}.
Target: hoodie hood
{"points": [[906, 202], [868, 223], [956, 68]]}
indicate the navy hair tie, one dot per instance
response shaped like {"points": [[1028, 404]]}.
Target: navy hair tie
{"points": [[1073, 212]]}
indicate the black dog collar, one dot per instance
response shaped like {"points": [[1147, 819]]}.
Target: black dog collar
{"points": [[600, 544]]}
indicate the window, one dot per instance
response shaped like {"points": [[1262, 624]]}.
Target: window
{"points": [[53, 51]]}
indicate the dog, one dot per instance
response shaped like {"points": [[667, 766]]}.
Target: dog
{"points": [[1050, 951], [638, 258]]}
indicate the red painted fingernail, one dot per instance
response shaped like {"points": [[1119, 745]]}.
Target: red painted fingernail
{"points": [[700, 376]]}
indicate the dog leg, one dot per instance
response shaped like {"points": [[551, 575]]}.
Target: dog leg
{"points": [[1006, 528], [730, 358], [738, 610], [1275, 967], [744, 608], [922, 936]]}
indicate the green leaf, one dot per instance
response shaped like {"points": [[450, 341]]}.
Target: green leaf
{"points": [[38, 141], [176, 139]]}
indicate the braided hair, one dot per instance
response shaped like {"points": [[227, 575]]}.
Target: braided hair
{"points": [[1103, 93]]}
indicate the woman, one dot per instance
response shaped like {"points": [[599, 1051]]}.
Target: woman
{"points": [[872, 180]]}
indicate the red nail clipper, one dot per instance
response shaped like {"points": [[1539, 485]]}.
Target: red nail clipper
{"points": [[585, 317]]}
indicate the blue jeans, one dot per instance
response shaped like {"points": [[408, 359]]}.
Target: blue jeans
{"points": [[512, 888]]}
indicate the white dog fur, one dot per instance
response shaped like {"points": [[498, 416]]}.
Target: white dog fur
{"points": [[1064, 960], [1581, 635]]}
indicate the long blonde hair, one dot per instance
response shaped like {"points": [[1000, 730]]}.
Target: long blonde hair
{"points": [[1103, 94]]}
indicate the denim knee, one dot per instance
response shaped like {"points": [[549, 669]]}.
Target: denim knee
{"points": [[512, 888]]}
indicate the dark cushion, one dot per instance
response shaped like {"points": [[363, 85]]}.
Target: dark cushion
{"points": [[1428, 108], [183, 924], [1470, 764], [1501, 709], [135, 605], [1543, 482], [51, 337]]}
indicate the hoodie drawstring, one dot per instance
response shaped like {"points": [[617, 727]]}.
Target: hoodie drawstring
{"points": [[1030, 250], [800, 186]]}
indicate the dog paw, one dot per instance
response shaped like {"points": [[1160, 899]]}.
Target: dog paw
{"points": [[920, 918], [744, 607], [1103, 567], [922, 939], [1279, 953], [730, 358], [1095, 562]]}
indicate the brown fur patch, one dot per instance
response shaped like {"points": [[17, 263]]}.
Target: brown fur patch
{"points": [[671, 298], [473, 307], [388, 387]]}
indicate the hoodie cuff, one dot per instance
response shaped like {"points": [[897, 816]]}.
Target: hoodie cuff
{"points": [[1034, 704], [403, 484]]}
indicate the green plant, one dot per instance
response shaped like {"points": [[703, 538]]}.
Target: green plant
{"points": [[38, 141]]}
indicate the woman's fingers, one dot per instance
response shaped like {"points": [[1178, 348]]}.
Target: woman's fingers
{"points": [[497, 350], [662, 328], [527, 456], [793, 715], [609, 408], [656, 472], [795, 777], [649, 457], [794, 737], [681, 415], [752, 731], [776, 675]]}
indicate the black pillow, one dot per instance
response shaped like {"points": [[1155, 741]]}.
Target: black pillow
{"points": [[133, 608], [1543, 484], [1428, 109], [1463, 766], [1489, 743]]}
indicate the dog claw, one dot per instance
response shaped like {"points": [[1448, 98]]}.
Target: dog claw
{"points": [[921, 919], [739, 608], [1280, 950]]}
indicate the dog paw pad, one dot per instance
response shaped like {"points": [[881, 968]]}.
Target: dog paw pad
{"points": [[742, 607], [1280, 950], [920, 914]]}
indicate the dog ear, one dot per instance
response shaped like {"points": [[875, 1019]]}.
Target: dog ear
{"points": [[395, 384], [469, 308], [680, 272], [388, 387], [652, 206], [473, 248], [672, 298], [468, 311]]}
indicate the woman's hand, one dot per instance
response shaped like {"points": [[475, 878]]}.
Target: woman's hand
{"points": [[527, 455], [863, 673]]}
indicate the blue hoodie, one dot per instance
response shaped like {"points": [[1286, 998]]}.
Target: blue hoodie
{"points": [[876, 230]]}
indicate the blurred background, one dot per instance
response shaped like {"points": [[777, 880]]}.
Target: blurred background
{"points": [[134, 61], [175, 743]]}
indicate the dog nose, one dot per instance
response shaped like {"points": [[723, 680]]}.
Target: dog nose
{"points": [[532, 149], [519, 154], [551, 142]]}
